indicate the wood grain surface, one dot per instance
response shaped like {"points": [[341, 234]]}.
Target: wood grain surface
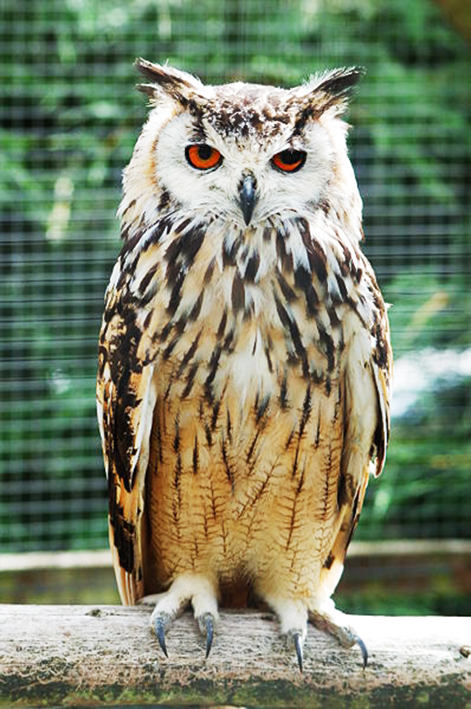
{"points": [[108, 656]]}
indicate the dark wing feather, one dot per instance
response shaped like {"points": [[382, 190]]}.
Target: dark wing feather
{"points": [[366, 421], [125, 402]]}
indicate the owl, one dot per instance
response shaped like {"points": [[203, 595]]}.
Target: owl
{"points": [[244, 356]]}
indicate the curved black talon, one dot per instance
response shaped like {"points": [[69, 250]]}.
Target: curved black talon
{"points": [[364, 651], [209, 626], [299, 649], [160, 632]]}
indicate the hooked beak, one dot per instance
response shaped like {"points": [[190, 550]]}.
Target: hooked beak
{"points": [[247, 197]]}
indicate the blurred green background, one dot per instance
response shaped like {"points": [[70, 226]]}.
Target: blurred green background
{"points": [[69, 116]]}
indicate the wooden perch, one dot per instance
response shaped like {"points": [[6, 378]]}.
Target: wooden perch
{"points": [[107, 655]]}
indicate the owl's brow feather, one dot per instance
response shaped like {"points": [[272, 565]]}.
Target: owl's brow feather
{"points": [[198, 133], [240, 109], [243, 121]]}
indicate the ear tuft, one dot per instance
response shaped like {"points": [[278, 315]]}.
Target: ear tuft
{"points": [[326, 92], [167, 80], [339, 82]]}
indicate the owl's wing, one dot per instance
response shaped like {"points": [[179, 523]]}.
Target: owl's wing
{"points": [[125, 403], [366, 424]]}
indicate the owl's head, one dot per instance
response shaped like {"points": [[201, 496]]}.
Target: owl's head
{"points": [[242, 152]]}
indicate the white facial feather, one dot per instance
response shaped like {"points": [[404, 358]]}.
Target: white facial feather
{"points": [[216, 191]]}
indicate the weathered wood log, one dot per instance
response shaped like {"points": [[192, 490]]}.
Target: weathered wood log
{"points": [[108, 655]]}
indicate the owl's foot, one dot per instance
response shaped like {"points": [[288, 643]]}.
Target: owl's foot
{"points": [[293, 618], [194, 589], [294, 614], [326, 617]]}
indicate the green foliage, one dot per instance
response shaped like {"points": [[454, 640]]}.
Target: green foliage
{"points": [[428, 311], [428, 466], [68, 122]]}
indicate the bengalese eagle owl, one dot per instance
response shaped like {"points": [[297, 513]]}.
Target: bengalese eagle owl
{"points": [[244, 356]]}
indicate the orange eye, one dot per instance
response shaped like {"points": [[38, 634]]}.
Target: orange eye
{"points": [[203, 156], [289, 160]]}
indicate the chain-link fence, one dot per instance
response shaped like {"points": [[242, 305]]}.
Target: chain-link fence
{"points": [[68, 119]]}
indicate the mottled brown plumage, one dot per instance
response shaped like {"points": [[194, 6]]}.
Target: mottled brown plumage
{"points": [[244, 365]]}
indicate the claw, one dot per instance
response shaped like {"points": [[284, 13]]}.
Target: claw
{"points": [[209, 626], [364, 650], [298, 645], [186, 589], [160, 632]]}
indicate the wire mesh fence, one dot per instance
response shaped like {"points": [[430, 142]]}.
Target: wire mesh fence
{"points": [[68, 119]]}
